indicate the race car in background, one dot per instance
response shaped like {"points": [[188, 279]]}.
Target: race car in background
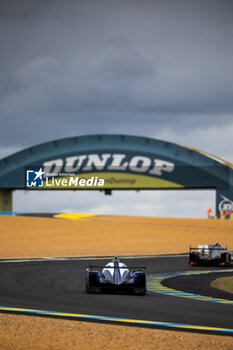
{"points": [[116, 277], [212, 254]]}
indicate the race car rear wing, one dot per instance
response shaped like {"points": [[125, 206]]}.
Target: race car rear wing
{"points": [[138, 268], [206, 248]]}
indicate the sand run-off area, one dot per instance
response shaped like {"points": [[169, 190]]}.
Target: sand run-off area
{"points": [[107, 236], [30, 333]]}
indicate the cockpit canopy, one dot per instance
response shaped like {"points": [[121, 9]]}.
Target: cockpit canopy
{"points": [[116, 272], [111, 264]]}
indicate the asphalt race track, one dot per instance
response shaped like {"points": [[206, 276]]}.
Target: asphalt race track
{"points": [[60, 286], [199, 284]]}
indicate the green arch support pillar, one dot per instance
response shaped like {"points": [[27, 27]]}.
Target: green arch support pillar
{"points": [[5, 200]]}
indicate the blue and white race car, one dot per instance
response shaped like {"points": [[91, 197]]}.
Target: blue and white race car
{"points": [[116, 277]]}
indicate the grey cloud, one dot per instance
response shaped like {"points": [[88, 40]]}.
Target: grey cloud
{"points": [[74, 67], [214, 139]]}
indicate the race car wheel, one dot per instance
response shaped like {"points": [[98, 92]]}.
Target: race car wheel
{"points": [[141, 281], [92, 284], [93, 290], [139, 291], [226, 259]]}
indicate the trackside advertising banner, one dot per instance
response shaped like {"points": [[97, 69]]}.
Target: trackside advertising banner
{"points": [[106, 170], [113, 170], [117, 162]]}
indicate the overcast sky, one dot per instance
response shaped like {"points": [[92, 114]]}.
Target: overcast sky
{"points": [[161, 69]]}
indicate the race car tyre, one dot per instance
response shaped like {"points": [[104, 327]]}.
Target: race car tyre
{"points": [[229, 260], [226, 258], [93, 290], [139, 291], [92, 284], [141, 280]]}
